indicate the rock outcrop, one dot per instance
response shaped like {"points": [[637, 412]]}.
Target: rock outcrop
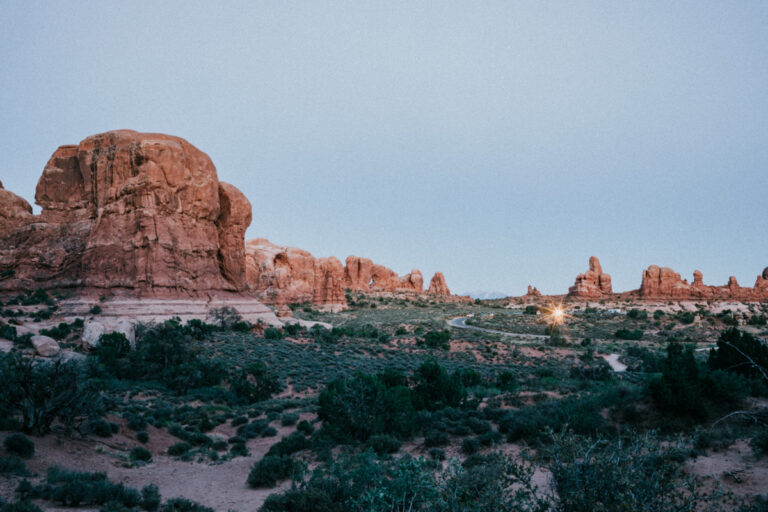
{"points": [[125, 210], [437, 285], [533, 292], [286, 275], [593, 284], [358, 273], [664, 283]]}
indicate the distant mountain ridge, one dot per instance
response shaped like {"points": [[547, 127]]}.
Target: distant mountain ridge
{"points": [[483, 295]]}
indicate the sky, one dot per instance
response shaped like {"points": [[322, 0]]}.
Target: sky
{"points": [[502, 143]]}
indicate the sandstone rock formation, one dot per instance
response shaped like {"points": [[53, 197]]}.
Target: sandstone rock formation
{"points": [[358, 273], [285, 275], [665, 283], [437, 285], [533, 292], [593, 284], [125, 210]]}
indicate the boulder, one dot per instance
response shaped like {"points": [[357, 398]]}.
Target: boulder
{"points": [[45, 346], [92, 331], [5, 345]]}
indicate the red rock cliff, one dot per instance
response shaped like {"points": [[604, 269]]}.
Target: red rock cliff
{"points": [[138, 211], [592, 284]]}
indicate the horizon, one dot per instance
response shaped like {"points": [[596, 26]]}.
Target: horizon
{"points": [[501, 145]]}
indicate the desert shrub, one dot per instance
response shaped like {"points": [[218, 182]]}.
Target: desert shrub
{"points": [[19, 444], [531, 423], [272, 333], [438, 339], [239, 420], [135, 422], [225, 317], [100, 427], [292, 329], [255, 382], [95, 310], [305, 427], [678, 390], [150, 498], [290, 444], [13, 465], [58, 332], [638, 473], [436, 438], [757, 320], [726, 388], [739, 352], [110, 350], [637, 314], [629, 334], [470, 445], [650, 361], [179, 449], [239, 450], [686, 317], [435, 388], [271, 469], [20, 506], [361, 405], [183, 505], [506, 381], [73, 489], [139, 453], [142, 436], [288, 419], [383, 444], [531, 310], [44, 391], [759, 442]]}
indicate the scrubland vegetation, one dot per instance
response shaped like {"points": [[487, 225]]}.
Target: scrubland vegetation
{"points": [[392, 410]]}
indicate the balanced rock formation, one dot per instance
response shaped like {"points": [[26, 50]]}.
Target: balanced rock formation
{"points": [[125, 210], [286, 275], [593, 284], [437, 285]]}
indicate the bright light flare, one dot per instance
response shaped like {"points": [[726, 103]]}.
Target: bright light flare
{"points": [[556, 315]]}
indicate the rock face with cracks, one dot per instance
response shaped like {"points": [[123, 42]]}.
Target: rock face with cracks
{"points": [[665, 283], [125, 210]]}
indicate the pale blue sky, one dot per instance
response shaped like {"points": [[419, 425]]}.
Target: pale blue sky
{"points": [[500, 142]]}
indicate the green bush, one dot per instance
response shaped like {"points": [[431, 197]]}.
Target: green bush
{"points": [[678, 390], [272, 333], [139, 453], [383, 444], [271, 469], [142, 436], [288, 419], [150, 498], [179, 449], [531, 310], [255, 382], [740, 353], [13, 465], [629, 334], [305, 427], [470, 445], [19, 444], [438, 339], [20, 506], [183, 505], [101, 428], [74, 489], [637, 314], [44, 391]]}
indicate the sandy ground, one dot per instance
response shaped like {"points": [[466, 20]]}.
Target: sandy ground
{"points": [[219, 486]]}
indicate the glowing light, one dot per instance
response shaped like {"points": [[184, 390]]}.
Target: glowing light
{"points": [[558, 315]]}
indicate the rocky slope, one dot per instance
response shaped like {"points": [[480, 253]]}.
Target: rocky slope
{"points": [[123, 210]]}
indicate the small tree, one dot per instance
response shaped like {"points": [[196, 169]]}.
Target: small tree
{"points": [[43, 391]]}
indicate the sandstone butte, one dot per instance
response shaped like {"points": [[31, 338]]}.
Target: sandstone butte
{"points": [[285, 275], [124, 210]]}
